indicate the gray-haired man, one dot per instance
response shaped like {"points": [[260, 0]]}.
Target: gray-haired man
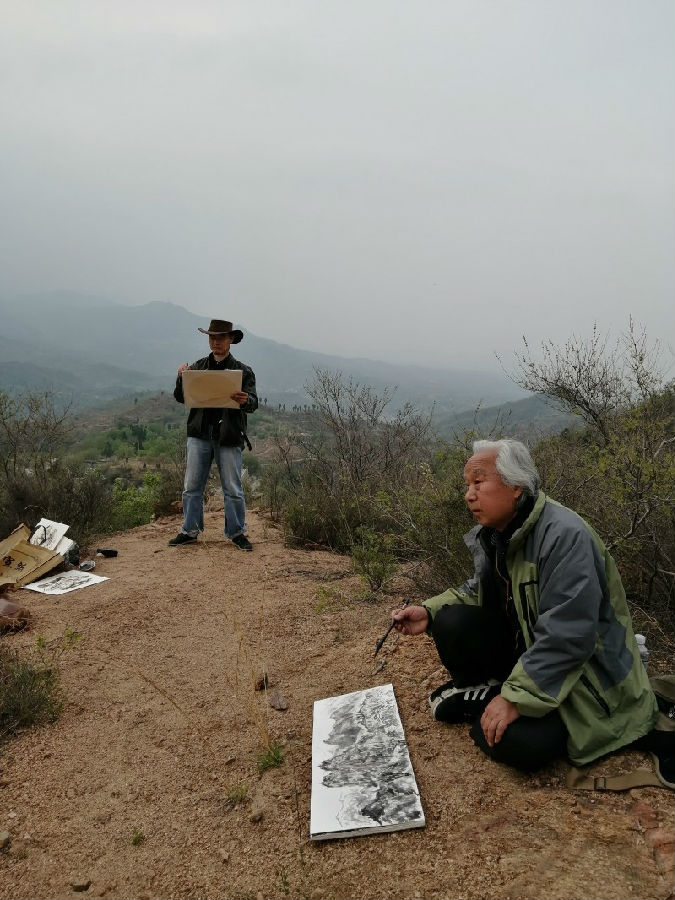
{"points": [[539, 642]]}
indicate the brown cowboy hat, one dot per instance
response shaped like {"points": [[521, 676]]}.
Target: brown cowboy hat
{"points": [[220, 326]]}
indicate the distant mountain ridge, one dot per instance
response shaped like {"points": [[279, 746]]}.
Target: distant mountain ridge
{"points": [[94, 349], [517, 418]]}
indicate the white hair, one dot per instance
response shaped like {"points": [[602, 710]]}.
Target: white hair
{"points": [[513, 462]]}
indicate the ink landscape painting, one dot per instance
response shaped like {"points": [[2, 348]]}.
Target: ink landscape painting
{"points": [[362, 778]]}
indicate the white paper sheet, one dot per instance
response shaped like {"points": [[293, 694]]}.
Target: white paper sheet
{"points": [[64, 546]]}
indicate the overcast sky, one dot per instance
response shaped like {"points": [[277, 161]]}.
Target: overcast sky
{"points": [[424, 180]]}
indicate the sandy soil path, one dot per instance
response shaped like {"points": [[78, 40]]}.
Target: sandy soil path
{"points": [[148, 786]]}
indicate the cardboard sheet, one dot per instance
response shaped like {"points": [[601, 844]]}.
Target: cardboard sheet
{"points": [[206, 389], [21, 561]]}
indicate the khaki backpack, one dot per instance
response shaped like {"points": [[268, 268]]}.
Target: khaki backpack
{"points": [[663, 735]]}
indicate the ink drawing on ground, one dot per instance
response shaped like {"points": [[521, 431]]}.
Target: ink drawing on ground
{"points": [[362, 778]]}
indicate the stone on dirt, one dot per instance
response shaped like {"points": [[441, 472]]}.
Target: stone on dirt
{"points": [[276, 701]]}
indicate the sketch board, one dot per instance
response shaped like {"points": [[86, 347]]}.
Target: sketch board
{"points": [[362, 778], [64, 582], [212, 389]]}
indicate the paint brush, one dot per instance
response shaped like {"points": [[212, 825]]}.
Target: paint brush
{"points": [[384, 637]]}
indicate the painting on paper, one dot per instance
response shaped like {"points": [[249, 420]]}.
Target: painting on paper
{"points": [[48, 534], [362, 778], [65, 582]]}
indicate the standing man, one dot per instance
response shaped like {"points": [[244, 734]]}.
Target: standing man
{"points": [[539, 642], [219, 434]]}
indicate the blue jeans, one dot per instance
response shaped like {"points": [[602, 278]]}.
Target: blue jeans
{"points": [[200, 454]]}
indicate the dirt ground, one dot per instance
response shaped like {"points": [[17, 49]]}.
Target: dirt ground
{"points": [[148, 785]]}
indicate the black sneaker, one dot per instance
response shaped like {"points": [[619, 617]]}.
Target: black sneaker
{"points": [[659, 745], [183, 538], [242, 542], [462, 704], [664, 764]]}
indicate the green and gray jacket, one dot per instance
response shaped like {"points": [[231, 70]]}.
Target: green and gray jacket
{"points": [[581, 656]]}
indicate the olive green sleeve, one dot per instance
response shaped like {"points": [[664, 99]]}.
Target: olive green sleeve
{"points": [[449, 598]]}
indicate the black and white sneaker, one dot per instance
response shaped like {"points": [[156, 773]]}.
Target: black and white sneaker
{"points": [[462, 704]]}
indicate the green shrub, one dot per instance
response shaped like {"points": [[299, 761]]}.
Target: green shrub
{"points": [[278, 486], [237, 794], [316, 518], [324, 482], [251, 463], [373, 557], [168, 490], [428, 515], [30, 693], [69, 493], [132, 505]]}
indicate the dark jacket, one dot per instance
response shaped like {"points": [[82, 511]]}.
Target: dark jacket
{"points": [[581, 656], [232, 425]]}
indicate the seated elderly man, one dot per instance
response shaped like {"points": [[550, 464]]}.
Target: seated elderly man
{"points": [[539, 642]]}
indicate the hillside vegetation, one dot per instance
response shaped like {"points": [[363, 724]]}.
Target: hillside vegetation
{"points": [[348, 473], [388, 492], [177, 777]]}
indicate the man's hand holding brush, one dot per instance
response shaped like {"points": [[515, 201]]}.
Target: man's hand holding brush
{"points": [[410, 619]]}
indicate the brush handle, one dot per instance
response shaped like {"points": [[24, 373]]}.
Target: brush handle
{"points": [[384, 637]]}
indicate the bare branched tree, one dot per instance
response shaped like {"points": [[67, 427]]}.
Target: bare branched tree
{"points": [[328, 478], [33, 431], [592, 380], [364, 444], [34, 478], [618, 472]]}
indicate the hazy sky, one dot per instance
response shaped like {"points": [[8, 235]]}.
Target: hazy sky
{"points": [[418, 179]]}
